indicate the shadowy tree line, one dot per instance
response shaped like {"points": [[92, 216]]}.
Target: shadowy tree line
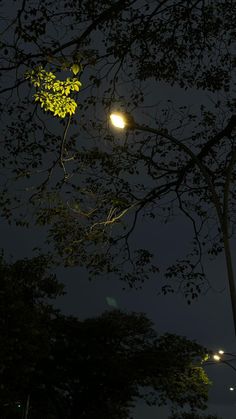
{"points": [[57, 366]]}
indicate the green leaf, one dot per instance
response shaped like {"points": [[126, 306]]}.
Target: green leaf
{"points": [[75, 69]]}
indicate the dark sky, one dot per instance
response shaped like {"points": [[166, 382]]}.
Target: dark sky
{"points": [[208, 320]]}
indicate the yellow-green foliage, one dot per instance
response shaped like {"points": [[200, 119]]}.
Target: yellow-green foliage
{"points": [[53, 94]]}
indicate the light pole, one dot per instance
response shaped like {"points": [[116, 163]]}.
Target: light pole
{"points": [[219, 357], [126, 121], [27, 407]]}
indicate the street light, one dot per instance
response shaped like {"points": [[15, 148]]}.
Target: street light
{"points": [[118, 120], [124, 120], [222, 357], [216, 357], [221, 352]]}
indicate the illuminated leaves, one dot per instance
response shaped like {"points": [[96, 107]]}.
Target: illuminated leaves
{"points": [[60, 105], [53, 94]]}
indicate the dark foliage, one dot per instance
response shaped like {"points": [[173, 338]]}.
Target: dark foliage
{"points": [[94, 368]]}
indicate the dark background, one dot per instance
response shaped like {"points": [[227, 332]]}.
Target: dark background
{"points": [[207, 320]]}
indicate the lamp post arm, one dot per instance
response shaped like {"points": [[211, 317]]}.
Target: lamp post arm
{"points": [[229, 365]]}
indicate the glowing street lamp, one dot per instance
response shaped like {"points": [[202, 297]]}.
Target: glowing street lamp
{"points": [[216, 357], [122, 120], [118, 120]]}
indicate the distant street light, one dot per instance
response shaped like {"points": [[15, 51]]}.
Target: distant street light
{"points": [[216, 357], [126, 121], [224, 359], [222, 352]]}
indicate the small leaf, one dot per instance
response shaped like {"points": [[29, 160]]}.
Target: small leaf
{"points": [[75, 69]]}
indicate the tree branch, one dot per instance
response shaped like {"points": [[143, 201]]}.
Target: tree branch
{"points": [[226, 132]]}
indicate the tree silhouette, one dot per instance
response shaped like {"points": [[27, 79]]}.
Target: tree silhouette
{"points": [[26, 330], [57, 366]]}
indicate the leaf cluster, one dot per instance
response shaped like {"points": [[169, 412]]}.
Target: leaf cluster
{"points": [[53, 94]]}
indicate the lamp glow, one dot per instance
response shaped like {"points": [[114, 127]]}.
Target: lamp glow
{"points": [[118, 120], [231, 388], [216, 357], [221, 352]]}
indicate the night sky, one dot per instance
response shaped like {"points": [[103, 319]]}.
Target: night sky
{"points": [[207, 320]]}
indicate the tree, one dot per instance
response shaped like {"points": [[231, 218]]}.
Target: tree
{"points": [[116, 359], [88, 194], [54, 365], [26, 331]]}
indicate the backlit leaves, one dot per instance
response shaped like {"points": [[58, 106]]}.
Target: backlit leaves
{"points": [[53, 94]]}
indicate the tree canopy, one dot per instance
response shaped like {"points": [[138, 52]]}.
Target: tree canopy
{"points": [[76, 176], [63, 367]]}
